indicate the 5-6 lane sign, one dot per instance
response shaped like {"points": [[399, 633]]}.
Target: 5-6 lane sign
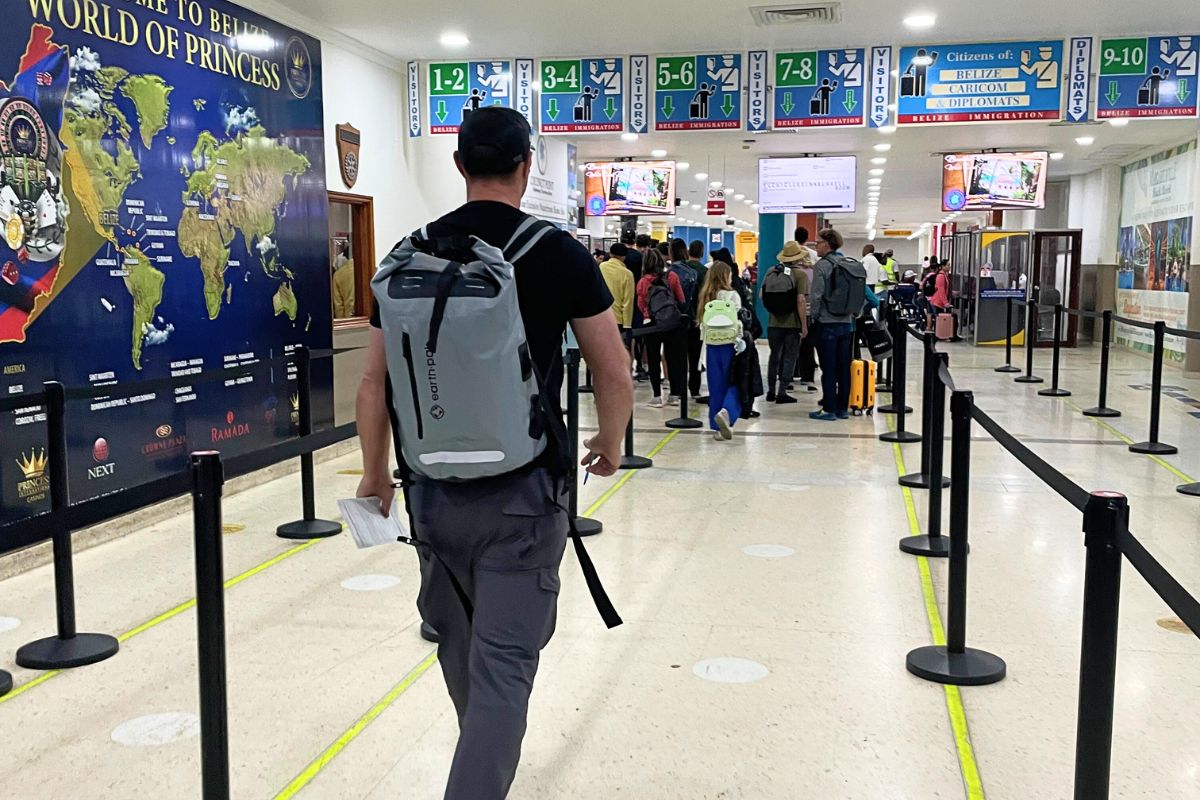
{"points": [[702, 92]]}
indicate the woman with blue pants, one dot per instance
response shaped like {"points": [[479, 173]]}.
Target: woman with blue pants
{"points": [[721, 330]]}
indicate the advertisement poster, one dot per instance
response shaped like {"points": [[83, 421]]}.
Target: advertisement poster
{"points": [[458, 88], [991, 82], [1148, 77], [1154, 248], [548, 195], [693, 93], [163, 208], [584, 95], [820, 88]]}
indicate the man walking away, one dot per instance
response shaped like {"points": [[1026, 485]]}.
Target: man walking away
{"points": [[490, 546], [839, 294], [785, 296]]}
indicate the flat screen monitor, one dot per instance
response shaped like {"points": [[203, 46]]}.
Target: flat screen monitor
{"points": [[629, 188], [807, 185], [985, 181]]}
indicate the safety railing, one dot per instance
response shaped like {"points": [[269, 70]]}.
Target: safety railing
{"points": [[1107, 542]]}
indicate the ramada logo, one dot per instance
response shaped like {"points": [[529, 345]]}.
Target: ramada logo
{"points": [[165, 441], [232, 430], [100, 454]]}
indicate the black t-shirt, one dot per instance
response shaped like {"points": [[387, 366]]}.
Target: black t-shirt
{"points": [[634, 262], [557, 281]]}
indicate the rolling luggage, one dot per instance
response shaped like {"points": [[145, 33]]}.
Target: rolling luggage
{"points": [[945, 327], [862, 387]]}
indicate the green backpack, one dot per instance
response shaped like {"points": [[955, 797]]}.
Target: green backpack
{"points": [[720, 322]]}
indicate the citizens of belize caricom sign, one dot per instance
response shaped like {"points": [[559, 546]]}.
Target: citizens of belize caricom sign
{"points": [[162, 215]]}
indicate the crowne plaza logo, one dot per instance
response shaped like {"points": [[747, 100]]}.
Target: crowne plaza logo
{"points": [[166, 442]]}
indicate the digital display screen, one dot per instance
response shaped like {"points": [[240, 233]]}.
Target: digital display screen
{"points": [[806, 185], [629, 188], [985, 181]]}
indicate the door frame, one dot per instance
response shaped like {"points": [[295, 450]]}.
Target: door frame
{"points": [[362, 244], [1073, 290]]}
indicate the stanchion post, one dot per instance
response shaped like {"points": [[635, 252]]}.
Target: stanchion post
{"points": [[1054, 390], [1154, 447], [900, 353], [587, 387], [585, 525], [69, 648], [207, 481], [933, 544], [5, 683], [684, 421], [1031, 320], [955, 663], [921, 478], [630, 460], [1102, 409], [1008, 337], [1104, 519], [309, 527]]}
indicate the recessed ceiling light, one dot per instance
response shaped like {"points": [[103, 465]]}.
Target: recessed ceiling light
{"points": [[701, 176], [877, 172], [1057, 156], [880, 160], [883, 147], [715, 184], [1119, 122], [454, 39], [920, 20], [748, 201], [1084, 141], [629, 137], [874, 181], [658, 153], [685, 203], [888, 129], [754, 205], [683, 165], [739, 197]]}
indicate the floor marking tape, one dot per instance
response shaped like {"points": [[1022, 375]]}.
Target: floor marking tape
{"points": [[166, 615], [330, 753], [1178, 473], [340, 744], [954, 705]]}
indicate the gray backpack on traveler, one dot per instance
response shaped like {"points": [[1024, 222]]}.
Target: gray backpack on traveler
{"points": [[847, 291], [466, 392]]}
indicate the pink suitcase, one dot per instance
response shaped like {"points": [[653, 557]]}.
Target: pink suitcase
{"points": [[945, 327]]}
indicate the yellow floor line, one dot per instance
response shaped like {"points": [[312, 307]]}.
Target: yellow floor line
{"points": [[340, 744], [163, 617], [1169, 467], [330, 753], [954, 705]]}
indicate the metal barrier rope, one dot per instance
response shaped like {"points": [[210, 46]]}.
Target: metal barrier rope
{"points": [[1061, 484]]}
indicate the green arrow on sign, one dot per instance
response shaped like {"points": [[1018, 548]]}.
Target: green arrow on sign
{"points": [[610, 108], [1113, 94], [788, 104], [668, 106], [1184, 92], [851, 102], [727, 105], [552, 108], [442, 113]]}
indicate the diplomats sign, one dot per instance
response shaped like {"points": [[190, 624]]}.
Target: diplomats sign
{"points": [[1079, 80]]}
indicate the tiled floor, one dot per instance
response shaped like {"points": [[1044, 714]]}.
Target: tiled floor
{"points": [[621, 713]]}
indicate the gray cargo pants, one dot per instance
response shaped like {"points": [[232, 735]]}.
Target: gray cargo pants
{"points": [[503, 540]]}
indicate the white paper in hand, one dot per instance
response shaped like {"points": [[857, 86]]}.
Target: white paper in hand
{"points": [[368, 527]]}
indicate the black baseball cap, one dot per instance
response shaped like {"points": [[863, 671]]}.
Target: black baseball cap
{"points": [[493, 141]]}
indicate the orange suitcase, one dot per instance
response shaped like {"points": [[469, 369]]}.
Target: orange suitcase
{"points": [[862, 387]]}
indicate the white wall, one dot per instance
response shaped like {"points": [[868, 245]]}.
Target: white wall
{"points": [[907, 250], [1095, 208]]}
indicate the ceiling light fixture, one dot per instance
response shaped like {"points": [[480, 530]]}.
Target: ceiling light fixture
{"points": [[683, 166], [874, 181], [658, 153], [920, 21], [887, 130], [879, 161], [701, 176], [1084, 141], [1119, 122], [883, 147], [1057, 156], [629, 137], [739, 197], [454, 39], [715, 184], [876, 172]]}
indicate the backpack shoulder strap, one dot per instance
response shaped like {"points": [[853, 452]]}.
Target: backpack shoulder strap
{"points": [[525, 238]]}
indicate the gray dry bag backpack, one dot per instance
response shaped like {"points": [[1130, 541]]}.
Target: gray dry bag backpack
{"points": [[467, 395]]}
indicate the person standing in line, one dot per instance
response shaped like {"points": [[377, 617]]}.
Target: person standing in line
{"points": [[802, 240], [836, 335], [491, 547], [785, 296], [750, 382], [696, 262], [940, 301], [637, 246], [688, 278], [723, 334], [620, 285], [874, 267], [661, 343]]}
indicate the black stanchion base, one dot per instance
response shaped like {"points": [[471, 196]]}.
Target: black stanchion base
{"points": [[1029, 379], [891, 408], [636, 462], [918, 481], [1007, 369], [56, 653], [429, 633], [1190, 489], [586, 390], [309, 529], [883, 388], [5, 683], [1054, 393], [1153, 449], [588, 527], [1108, 413], [684, 423], [900, 437], [930, 546], [968, 668]]}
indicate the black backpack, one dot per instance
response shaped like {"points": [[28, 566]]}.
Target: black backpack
{"points": [[688, 282], [929, 285], [847, 292], [779, 293], [664, 311]]}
